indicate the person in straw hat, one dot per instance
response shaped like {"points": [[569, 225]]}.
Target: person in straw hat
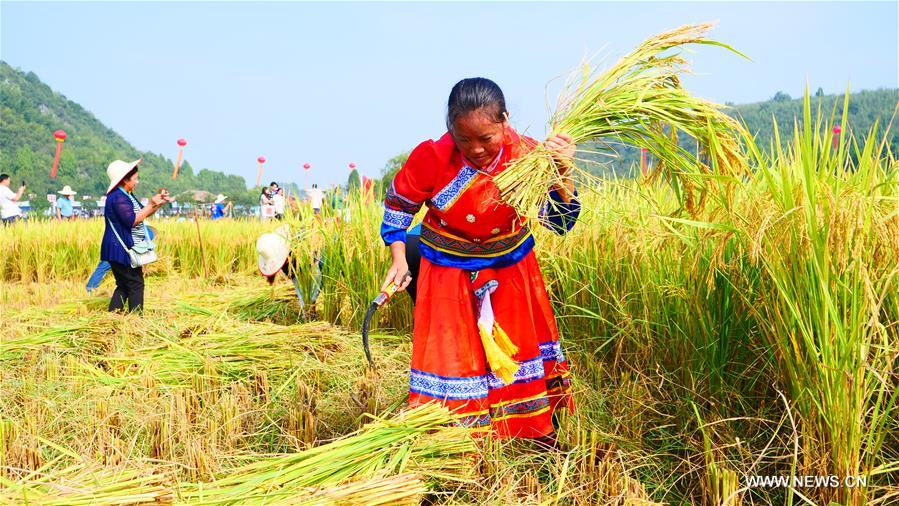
{"points": [[219, 208], [274, 256], [124, 227], [65, 209]]}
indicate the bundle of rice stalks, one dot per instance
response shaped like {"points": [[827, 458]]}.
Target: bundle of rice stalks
{"points": [[405, 443], [638, 101], [84, 335], [258, 302], [84, 484], [405, 489]]}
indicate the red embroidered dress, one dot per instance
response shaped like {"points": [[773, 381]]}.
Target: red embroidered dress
{"points": [[470, 241]]}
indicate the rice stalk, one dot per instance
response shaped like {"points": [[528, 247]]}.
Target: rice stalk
{"points": [[404, 443], [638, 101]]}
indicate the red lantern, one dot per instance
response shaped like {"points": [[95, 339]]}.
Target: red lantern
{"points": [[307, 166], [181, 143], [836, 135], [60, 137], [261, 160], [352, 165]]}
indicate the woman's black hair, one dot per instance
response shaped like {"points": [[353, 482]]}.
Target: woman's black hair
{"points": [[473, 94], [128, 175]]}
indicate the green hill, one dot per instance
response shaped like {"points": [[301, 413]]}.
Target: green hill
{"points": [[30, 111]]}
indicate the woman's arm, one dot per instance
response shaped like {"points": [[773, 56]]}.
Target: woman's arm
{"points": [[150, 209], [411, 186]]}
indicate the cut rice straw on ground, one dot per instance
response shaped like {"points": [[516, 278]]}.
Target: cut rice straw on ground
{"points": [[638, 101], [381, 448], [370, 466]]}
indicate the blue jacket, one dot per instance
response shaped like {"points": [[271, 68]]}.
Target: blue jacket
{"points": [[119, 212]]}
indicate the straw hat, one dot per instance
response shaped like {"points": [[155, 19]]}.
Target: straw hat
{"points": [[67, 190], [117, 171], [273, 249], [220, 198]]}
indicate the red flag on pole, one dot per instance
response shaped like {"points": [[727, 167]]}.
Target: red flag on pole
{"points": [[60, 137]]}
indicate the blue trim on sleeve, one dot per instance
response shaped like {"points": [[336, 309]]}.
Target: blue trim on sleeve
{"points": [[391, 235]]}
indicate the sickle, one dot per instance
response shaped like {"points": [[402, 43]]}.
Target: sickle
{"points": [[378, 301]]}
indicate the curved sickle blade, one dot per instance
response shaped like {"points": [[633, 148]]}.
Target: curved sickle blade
{"points": [[366, 322]]}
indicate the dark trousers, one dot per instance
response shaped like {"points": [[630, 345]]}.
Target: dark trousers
{"points": [[129, 287], [413, 259]]}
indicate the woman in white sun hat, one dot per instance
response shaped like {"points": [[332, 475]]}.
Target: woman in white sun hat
{"points": [[125, 227], [64, 205]]}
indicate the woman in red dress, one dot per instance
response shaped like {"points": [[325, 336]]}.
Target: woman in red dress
{"points": [[485, 341]]}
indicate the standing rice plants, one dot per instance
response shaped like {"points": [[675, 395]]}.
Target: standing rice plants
{"points": [[44, 251], [795, 281], [829, 252]]}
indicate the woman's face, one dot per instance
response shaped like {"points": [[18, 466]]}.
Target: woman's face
{"points": [[130, 182], [478, 136]]}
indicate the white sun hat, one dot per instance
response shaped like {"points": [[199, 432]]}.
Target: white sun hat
{"points": [[273, 249], [220, 198], [67, 190], [117, 171]]}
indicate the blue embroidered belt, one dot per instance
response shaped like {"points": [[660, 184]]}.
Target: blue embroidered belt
{"points": [[451, 251]]}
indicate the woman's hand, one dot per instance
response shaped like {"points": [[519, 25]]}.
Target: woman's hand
{"points": [[157, 201], [564, 150], [398, 273], [161, 199]]}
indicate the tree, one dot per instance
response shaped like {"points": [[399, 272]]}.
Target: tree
{"points": [[353, 182], [820, 92], [389, 171], [782, 97]]}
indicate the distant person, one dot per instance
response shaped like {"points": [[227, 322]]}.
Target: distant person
{"points": [[219, 208], [126, 231], [274, 256], [316, 198], [266, 204], [278, 200], [9, 209], [65, 207]]}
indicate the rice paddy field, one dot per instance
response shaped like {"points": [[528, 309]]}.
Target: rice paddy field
{"points": [[756, 334]]}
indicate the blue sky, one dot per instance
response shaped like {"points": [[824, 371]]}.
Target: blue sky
{"points": [[333, 83]]}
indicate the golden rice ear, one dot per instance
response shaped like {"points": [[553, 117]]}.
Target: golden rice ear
{"points": [[500, 363]]}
